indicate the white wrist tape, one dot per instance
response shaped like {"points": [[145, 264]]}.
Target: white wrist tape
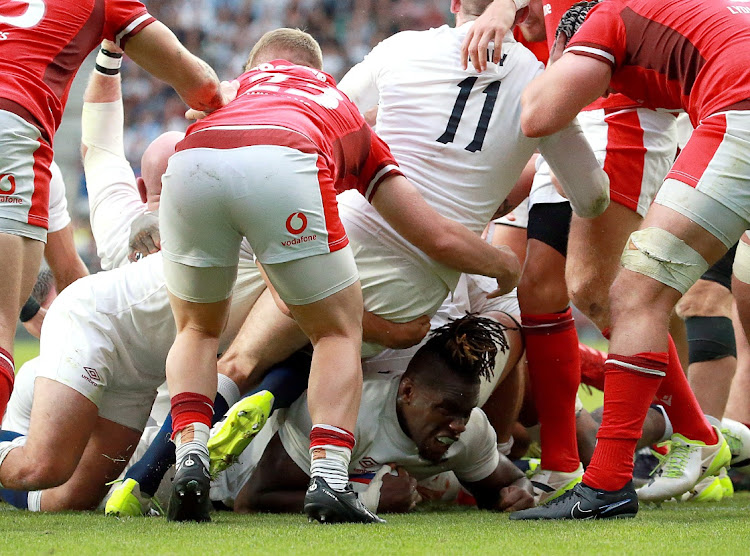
{"points": [[108, 63], [371, 497]]}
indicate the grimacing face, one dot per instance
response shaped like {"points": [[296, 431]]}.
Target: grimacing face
{"points": [[435, 417]]}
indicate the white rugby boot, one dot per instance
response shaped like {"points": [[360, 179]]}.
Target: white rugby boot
{"points": [[548, 484], [737, 436], [687, 463]]}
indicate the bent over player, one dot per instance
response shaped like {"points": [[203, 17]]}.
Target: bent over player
{"points": [[267, 167]]}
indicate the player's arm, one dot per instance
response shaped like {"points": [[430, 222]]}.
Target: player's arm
{"points": [[442, 239], [63, 259], [576, 169], [360, 85], [505, 489], [394, 335], [556, 96], [157, 50]]}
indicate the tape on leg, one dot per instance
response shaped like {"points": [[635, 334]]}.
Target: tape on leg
{"points": [[741, 267], [663, 256]]}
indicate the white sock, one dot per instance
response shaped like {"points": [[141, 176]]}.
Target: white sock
{"points": [[34, 501], [193, 438], [668, 429], [329, 461], [228, 390]]}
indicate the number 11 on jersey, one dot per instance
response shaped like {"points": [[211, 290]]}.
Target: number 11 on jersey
{"points": [[465, 87]]}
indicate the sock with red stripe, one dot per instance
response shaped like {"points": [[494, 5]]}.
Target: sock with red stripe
{"points": [[330, 452], [555, 373], [629, 386], [191, 423], [679, 401], [7, 377], [592, 366]]}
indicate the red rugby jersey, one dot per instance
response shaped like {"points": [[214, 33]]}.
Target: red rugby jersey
{"points": [[283, 104], [43, 44], [673, 54], [553, 12]]}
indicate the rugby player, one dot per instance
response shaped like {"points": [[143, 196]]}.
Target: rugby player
{"points": [[697, 216], [44, 43], [423, 420], [461, 146]]}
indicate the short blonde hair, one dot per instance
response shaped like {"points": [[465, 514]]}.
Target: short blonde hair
{"points": [[474, 8], [293, 45]]}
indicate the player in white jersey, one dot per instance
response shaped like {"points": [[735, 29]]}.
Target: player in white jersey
{"points": [[424, 425]]}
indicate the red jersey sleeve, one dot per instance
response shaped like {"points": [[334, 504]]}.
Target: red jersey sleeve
{"points": [[124, 19], [379, 165], [602, 35]]}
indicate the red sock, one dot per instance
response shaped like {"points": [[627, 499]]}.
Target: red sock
{"points": [[592, 366], [555, 374], [678, 400], [628, 390], [188, 408], [7, 377], [663, 450]]}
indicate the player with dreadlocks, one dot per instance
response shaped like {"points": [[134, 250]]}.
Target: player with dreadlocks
{"points": [[411, 426]]}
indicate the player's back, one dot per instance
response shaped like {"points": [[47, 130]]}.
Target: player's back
{"points": [[44, 42], [277, 97], [455, 133]]}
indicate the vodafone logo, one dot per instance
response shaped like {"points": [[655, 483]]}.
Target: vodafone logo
{"points": [[7, 184], [296, 223]]}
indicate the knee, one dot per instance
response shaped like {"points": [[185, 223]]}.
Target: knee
{"points": [[590, 293], [542, 289], [47, 473]]}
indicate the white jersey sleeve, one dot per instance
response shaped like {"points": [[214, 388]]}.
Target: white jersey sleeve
{"points": [[114, 201], [360, 82], [479, 457], [58, 204], [582, 178]]}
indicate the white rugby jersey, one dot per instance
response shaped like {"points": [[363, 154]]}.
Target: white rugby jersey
{"points": [[380, 439], [455, 133], [58, 204]]}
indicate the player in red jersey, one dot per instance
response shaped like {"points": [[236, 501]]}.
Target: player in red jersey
{"points": [[268, 167], [42, 45], [703, 67], [635, 146]]}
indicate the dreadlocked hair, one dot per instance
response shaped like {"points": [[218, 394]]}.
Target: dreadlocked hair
{"points": [[572, 20], [469, 345]]}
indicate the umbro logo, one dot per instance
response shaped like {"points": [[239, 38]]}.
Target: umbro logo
{"points": [[189, 462], [313, 487]]}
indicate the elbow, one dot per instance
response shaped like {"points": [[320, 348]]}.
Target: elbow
{"points": [[530, 125], [440, 248]]}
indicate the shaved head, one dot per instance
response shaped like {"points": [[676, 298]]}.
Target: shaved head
{"points": [[155, 158], [474, 8]]}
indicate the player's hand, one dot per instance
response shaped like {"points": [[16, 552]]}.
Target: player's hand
{"points": [[558, 47], [228, 93], [514, 498], [112, 47], [398, 493], [508, 279], [144, 236], [491, 26]]}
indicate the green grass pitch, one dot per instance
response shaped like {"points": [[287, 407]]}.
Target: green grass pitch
{"points": [[712, 528]]}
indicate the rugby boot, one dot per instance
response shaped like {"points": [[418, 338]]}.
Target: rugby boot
{"points": [[125, 500], [687, 463], [548, 485], [711, 489], [244, 420], [190, 491], [326, 505], [737, 436], [584, 502]]}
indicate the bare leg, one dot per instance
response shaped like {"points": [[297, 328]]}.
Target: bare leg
{"points": [[738, 405], [267, 337], [108, 450], [61, 424]]}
